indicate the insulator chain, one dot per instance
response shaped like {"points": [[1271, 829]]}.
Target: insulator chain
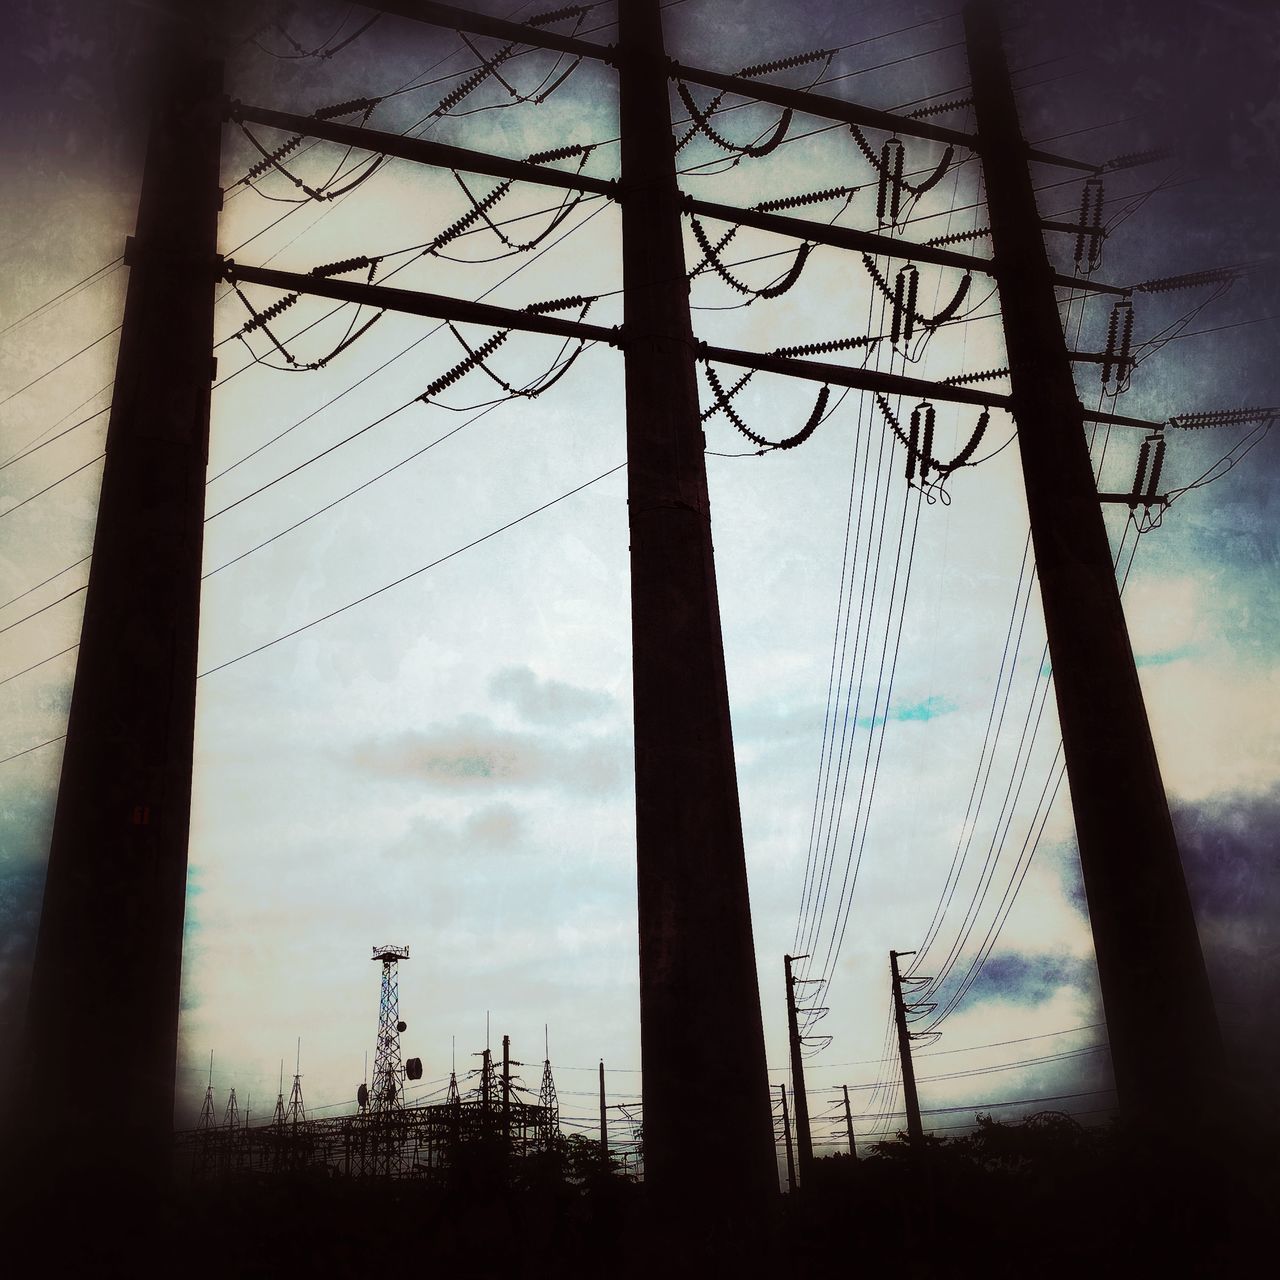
{"points": [[1090, 234], [476, 357], [920, 441], [711, 255], [791, 442], [561, 153], [825, 348], [479, 208], [785, 64], [472, 359], [922, 452], [959, 237], [703, 124], [889, 164], [954, 104], [985, 375], [1193, 280], [903, 299], [345, 108], [1222, 418], [1118, 360], [473, 81], [797, 202], [271, 159], [259, 319], [559, 15], [568, 205], [1132, 159], [1146, 480]]}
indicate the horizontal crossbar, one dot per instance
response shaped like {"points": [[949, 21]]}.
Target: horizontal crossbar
{"points": [[420, 150], [411, 302]]}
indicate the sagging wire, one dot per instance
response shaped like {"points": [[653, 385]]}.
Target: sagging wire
{"points": [[724, 405], [889, 165], [711, 257], [261, 319], [902, 297], [701, 118]]}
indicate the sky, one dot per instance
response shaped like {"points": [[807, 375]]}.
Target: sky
{"points": [[447, 765]]}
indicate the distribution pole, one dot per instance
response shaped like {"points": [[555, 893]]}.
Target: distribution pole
{"points": [[506, 1089], [786, 1134], [1165, 1045], [108, 958], [695, 916], [604, 1125], [915, 1130], [848, 1124], [804, 1142]]}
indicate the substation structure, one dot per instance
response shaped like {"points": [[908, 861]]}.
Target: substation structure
{"points": [[425, 1142]]}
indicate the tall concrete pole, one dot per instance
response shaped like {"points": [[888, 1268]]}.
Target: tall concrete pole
{"points": [[1165, 1045], [915, 1130], [804, 1141], [699, 998], [104, 991]]}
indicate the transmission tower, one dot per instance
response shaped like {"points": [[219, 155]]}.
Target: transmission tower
{"points": [[549, 1106], [388, 1069]]}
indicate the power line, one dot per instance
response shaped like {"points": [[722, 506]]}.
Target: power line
{"points": [[333, 613], [28, 750]]}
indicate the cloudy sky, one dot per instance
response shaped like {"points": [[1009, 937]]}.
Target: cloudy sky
{"points": [[448, 764]]}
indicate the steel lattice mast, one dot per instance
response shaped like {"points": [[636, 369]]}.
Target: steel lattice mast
{"points": [[387, 1090]]}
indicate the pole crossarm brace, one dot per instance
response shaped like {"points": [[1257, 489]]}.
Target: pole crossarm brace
{"points": [[456, 19], [817, 104], [889, 384], [838, 237], [411, 302], [420, 150]]}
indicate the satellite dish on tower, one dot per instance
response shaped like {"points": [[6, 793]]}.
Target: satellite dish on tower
{"points": [[413, 1069], [402, 1026], [362, 1096]]}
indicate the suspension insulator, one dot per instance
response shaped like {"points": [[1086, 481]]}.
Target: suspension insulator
{"points": [[1157, 464], [558, 304], [913, 445], [345, 108], [1117, 360], [1089, 234], [796, 202], [341, 267], [909, 302], [926, 441], [1140, 476], [889, 194], [559, 153], [558, 15], [785, 64]]}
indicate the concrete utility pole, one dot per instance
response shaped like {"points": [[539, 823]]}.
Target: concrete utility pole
{"points": [[848, 1124], [803, 1139], [695, 917], [915, 1130], [506, 1091], [1165, 1045], [108, 960], [786, 1134], [604, 1124]]}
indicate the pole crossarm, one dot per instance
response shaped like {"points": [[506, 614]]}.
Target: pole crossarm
{"points": [[420, 150], [411, 302], [456, 19], [838, 237], [871, 242], [889, 384], [817, 104]]}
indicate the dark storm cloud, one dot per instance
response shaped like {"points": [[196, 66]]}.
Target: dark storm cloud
{"points": [[1231, 852], [473, 754], [1021, 978], [547, 702]]}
